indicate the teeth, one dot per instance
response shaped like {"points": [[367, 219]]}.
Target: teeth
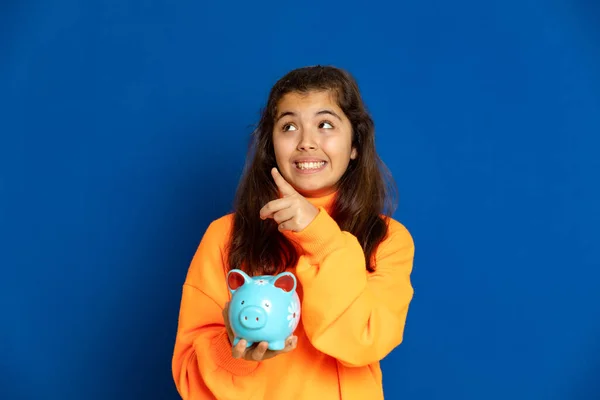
{"points": [[310, 165]]}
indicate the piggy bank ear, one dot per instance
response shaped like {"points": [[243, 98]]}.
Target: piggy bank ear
{"points": [[236, 278], [285, 281]]}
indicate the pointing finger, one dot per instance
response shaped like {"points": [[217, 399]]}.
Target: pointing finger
{"points": [[285, 188]]}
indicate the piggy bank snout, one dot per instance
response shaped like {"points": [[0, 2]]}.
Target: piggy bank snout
{"points": [[253, 317]]}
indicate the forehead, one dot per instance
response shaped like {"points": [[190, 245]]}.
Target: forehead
{"points": [[307, 102]]}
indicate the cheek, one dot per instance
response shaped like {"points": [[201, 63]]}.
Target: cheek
{"points": [[338, 151], [282, 147], [277, 148]]}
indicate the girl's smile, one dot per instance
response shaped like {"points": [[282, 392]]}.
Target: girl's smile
{"points": [[309, 165]]}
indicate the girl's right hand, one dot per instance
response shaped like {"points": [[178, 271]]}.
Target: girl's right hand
{"points": [[256, 352]]}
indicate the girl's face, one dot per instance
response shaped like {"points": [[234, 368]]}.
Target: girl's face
{"points": [[313, 142]]}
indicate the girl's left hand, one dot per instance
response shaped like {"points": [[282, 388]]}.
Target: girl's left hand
{"points": [[292, 212]]}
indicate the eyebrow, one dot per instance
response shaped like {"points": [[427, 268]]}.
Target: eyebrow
{"points": [[320, 112]]}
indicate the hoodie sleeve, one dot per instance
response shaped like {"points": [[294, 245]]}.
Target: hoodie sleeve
{"points": [[348, 313], [202, 365]]}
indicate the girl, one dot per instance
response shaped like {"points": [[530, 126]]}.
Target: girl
{"points": [[313, 201]]}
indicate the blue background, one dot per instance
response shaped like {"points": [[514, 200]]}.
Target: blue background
{"points": [[124, 126]]}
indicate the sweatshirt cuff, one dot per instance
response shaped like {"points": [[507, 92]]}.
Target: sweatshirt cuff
{"points": [[221, 349], [321, 237]]}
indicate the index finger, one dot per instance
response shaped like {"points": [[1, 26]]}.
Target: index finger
{"points": [[285, 188]]}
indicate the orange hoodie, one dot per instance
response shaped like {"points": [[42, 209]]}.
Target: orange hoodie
{"points": [[351, 319]]}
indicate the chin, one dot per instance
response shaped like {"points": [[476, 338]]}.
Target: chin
{"points": [[314, 191]]}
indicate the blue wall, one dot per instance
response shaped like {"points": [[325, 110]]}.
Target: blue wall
{"points": [[123, 132]]}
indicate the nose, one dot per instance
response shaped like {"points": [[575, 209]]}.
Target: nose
{"points": [[307, 142], [253, 317]]}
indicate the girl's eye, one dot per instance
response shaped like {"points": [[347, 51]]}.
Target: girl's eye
{"points": [[288, 127], [325, 125]]}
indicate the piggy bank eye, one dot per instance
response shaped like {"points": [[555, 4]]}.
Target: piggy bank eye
{"points": [[267, 304]]}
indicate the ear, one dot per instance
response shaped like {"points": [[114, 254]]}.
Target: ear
{"points": [[236, 278], [285, 281], [353, 153]]}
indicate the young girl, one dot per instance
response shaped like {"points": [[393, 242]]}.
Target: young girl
{"points": [[313, 201]]}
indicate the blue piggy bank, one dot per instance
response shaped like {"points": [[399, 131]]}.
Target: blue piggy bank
{"points": [[263, 308]]}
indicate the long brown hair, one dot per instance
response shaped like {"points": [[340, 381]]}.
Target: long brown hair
{"points": [[365, 194]]}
